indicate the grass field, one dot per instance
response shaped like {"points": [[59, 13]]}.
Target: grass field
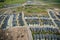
{"points": [[23, 1], [14, 1], [17, 9], [1, 4], [35, 10]]}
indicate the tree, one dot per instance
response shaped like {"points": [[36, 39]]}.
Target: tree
{"points": [[2, 0]]}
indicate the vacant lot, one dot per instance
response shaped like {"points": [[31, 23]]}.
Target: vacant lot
{"points": [[35, 10]]}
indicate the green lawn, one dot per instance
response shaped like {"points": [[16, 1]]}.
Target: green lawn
{"points": [[34, 9], [1, 4], [23, 1], [17, 9], [14, 1]]}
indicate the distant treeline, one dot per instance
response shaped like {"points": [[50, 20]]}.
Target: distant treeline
{"points": [[57, 1], [2, 0]]}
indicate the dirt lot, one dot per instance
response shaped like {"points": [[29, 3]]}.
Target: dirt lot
{"points": [[15, 33]]}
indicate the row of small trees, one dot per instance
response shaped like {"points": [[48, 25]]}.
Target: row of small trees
{"points": [[2, 0]]}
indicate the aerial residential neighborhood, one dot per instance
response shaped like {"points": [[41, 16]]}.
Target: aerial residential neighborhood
{"points": [[29, 20]]}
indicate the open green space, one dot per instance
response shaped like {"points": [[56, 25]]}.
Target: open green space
{"points": [[1, 4], [17, 9], [54, 5], [34, 9], [51, 1], [23, 1], [14, 1]]}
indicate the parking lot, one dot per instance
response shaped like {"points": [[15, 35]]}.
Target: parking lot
{"points": [[5, 22], [57, 22], [21, 23], [52, 15], [11, 20], [32, 22], [36, 21], [46, 22], [14, 22], [58, 16], [41, 22], [45, 33], [1, 18], [45, 37]]}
